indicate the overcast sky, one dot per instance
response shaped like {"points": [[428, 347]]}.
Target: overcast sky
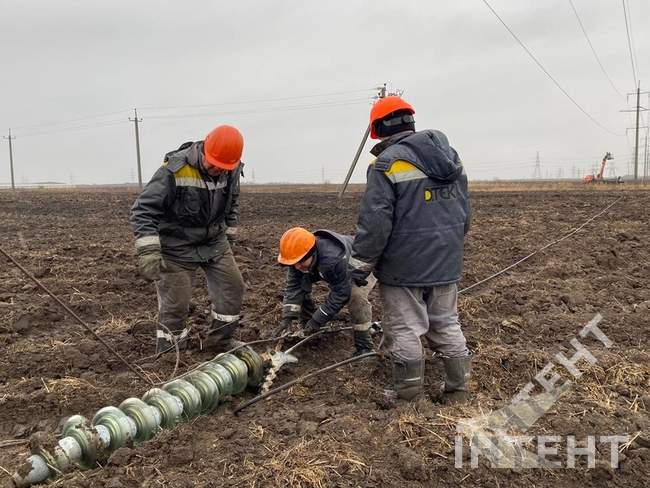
{"points": [[463, 72]]}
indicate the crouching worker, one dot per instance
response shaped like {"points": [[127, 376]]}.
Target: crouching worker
{"points": [[323, 255], [183, 220]]}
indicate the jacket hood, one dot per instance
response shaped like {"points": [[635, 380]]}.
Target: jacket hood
{"points": [[429, 150], [194, 155]]}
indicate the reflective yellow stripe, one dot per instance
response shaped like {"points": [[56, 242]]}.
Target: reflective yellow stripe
{"points": [[187, 171], [400, 166], [402, 170], [195, 182], [190, 176]]}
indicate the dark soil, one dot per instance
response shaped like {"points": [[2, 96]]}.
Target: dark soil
{"points": [[333, 430]]}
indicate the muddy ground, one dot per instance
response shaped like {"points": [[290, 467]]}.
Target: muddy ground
{"points": [[332, 431]]}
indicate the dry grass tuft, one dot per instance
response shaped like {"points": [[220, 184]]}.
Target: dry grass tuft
{"points": [[68, 385], [603, 383], [305, 463]]}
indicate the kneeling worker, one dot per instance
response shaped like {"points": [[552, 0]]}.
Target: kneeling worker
{"points": [[323, 255], [183, 220]]}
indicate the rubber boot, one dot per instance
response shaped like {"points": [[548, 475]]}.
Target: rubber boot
{"points": [[220, 336], [165, 341], [362, 342], [408, 377], [457, 372]]}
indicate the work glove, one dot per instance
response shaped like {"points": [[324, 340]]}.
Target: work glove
{"points": [[359, 277], [360, 282], [311, 327], [150, 264]]}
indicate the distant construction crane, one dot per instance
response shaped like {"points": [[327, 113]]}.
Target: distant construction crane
{"points": [[599, 178]]}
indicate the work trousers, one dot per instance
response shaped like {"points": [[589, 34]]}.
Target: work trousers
{"points": [[359, 306], [225, 288], [413, 312]]}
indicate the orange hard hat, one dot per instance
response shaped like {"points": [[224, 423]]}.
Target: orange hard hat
{"points": [[295, 244], [223, 147], [386, 106]]}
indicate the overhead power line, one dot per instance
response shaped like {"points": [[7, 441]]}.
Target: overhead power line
{"points": [[546, 72], [593, 50], [173, 107], [629, 42], [259, 100], [280, 108], [105, 123], [70, 121]]}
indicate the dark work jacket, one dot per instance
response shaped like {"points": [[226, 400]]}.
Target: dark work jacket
{"points": [[414, 213], [184, 210], [330, 264]]}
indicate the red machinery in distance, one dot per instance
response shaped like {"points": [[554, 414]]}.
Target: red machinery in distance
{"points": [[599, 178]]}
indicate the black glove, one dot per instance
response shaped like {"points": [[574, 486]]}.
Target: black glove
{"points": [[360, 282], [359, 277], [311, 327], [150, 264]]}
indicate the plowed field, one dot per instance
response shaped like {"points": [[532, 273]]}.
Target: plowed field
{"points": [[333, 430]]}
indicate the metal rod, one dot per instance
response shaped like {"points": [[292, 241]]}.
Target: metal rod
{"points": [[76, 317], [301, 379]]}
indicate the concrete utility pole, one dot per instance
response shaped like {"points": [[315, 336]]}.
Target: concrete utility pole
{"points": [[645, 157], [638, 111], [136, 121], [11, 159], [382, 93]]}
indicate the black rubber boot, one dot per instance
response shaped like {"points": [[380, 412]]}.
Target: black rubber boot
{"points": [[457, 372], [362, 342], [408, 377], [165, 341], [220, 336]]}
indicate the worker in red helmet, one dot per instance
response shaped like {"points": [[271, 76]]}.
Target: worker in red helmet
{"points": [[410, 233], [183, 220]]}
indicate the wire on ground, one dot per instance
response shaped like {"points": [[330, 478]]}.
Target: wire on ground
{"points": [[526, 258], [76, 317], [303, 378]]}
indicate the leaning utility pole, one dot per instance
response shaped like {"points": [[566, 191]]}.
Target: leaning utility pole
{"points": [[11, 159], [638, 110], [382, 93], [136, 121]]}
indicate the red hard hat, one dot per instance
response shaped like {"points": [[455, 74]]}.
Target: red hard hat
{"points": [[384, 107], [223, 147]]}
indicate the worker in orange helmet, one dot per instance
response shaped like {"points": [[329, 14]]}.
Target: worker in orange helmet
{"points": [[323, 255], [412, 222], [184, 219]]}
